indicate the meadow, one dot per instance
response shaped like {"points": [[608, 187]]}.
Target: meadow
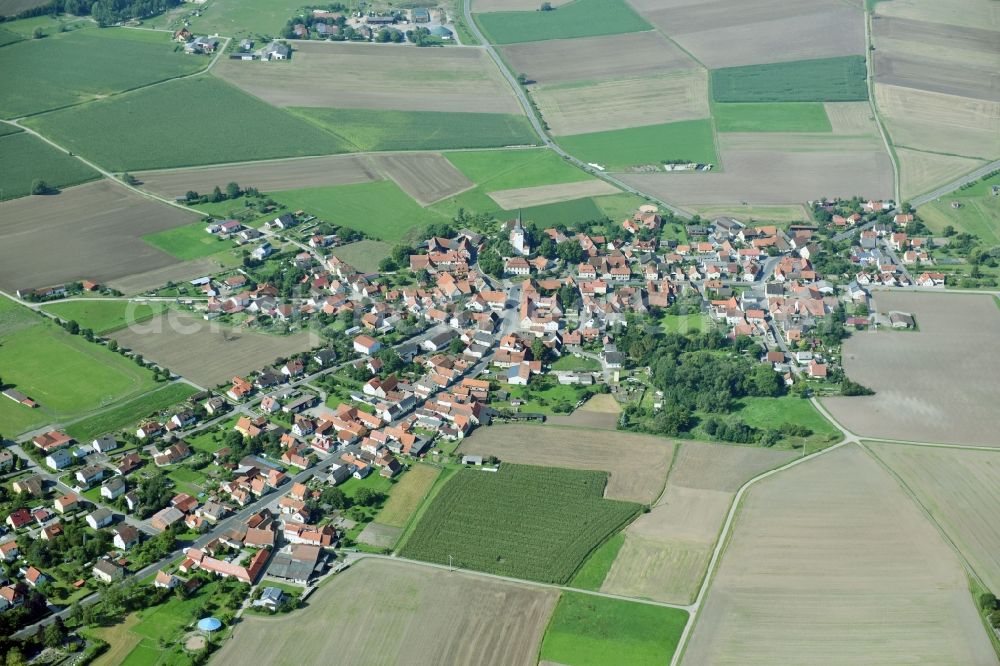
{"points": [[190, 241], [563, 212], [8, 37], [587, 630], [537, 523], [244, 17], [509, 169], [366, 130], [771, 117], [104, 316], [364, 255], [772, 412], [7, 128], [581, 18], [593, 572], [140, 130], [616, 150], [841, 79], [130, 412], [407, 495], [24, 158], [68, 68], [979, 212]]}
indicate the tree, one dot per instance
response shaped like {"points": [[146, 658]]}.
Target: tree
{"points": [[55, 634], [216, 195], [73, 327], [233, 190], [539, 351], [38, 33], [570, 252], [522, 78], [546, 7], [39, 186], [369, 497]]}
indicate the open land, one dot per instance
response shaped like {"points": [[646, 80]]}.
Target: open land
{"points": [[930, 385], [823, 80], [582, 18], [814, 575], [131, 412], [371, 76], [504, 170], [921, 172], [25, 158], [771, 117], [960, 489], [666, 551], [89, 375], [189, 242], [266, 176], [617, 150], [364, 255], [437, 617], [637, 464], [545, 194], [790, 213], [426, 177], [407, 495], [978, 212], [600, 411], [244, 17], [207, 353], [137, 283], [90, 231], [536, 523], [483, 6], [104, 316], [139, 130]]}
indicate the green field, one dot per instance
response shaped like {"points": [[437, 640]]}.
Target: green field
{"points": [[619, 206], [580, 18], [593, 572], [365, 130], [364, 255], [105, 316], [8, 129], [24, 157], [131, 412], [8, 37], [73, 67], [536, 523], [243, 17], [978, 214], [189, 122], [572, 363], [840, 79], [494, 170], [189, 241], [771, 117], [772, 412], [685, 323], [689, 140], [562, 212], [587, 630], [379, 209], [64, 373]]}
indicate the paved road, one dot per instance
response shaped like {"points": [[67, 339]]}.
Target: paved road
{"points": [[955, 184]]}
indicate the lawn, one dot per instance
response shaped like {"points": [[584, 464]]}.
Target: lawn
{"points": [[65, 374], [365, 130], [494, 170], [772, 412], [105, 316], [580, 18], [542, 398], [407, 495], [364, 255], [244, 17], [24, 158], [771, 117], [619, 206], [7, 128], [840, 79], [587, 630], [8, 37], [688, 141], [189, 241], [536, 523], [213, 121], [572, 363], [69, 68], [593, 572], [686, 323], [380, 209], [562, 212], [130, 413], [979, 211]]}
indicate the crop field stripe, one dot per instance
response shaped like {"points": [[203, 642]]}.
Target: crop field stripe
{"points": [[771, 117], [580, 18], [25, 158], [842, 79]]}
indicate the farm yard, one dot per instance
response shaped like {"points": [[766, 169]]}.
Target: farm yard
{"points": [[536, 523], [949, 396], [960, 489], [582, 18], [91, 231], [427, 177], [25, 158], [813, 575], [208, 353], [437, 616], [637, 464]]}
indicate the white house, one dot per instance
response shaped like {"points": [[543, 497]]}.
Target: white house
{"points": [[59, 459]]}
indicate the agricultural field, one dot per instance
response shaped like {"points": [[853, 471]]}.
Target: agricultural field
{"points": [[407, 495], [581, 18], [536, 523], [752, 214], [80, 65], [599, 412], [90, 377], [364, 255], [190, 241], [483, 6], [666, 551], [371, 76], [266, 176], [426, 177], [115, 218], [15, 7], [617, 150], [366, 130], [102, 316], [921, 172], [771, 117], [131, 412], [25, 158], [208, 353], [525, 197], [813, 575], [437, 616], [145, 281], [824, 80], [588, 630], [130, 142], [978, 212], [949, 395], [243, 17], [380, 209], [505, 170], [637, 464]]}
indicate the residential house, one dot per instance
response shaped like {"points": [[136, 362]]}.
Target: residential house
{"points": [[100, 518], [108, 571]]}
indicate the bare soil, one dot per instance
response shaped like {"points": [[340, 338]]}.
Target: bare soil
{"points": [[427, 177], [960, 78]]}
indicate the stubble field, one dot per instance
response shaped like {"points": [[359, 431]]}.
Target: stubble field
{"points": [[384, 612], [921, 172], [815, 575], [937, 384], [524, 197]]}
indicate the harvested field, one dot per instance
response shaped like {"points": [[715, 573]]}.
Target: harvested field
{"points": [[369, 76], [814, 575], [851, 117], [936, 384], [667, 550], [208, 353], [138, 283], [638, 464], [958, 78], [580, 419], [407, 495], [483, 6], [582, 18], [436, 617], [797, 213], [266, 176], [364, 255], [966, 13], [92, 231], [577, 108], [545, 194], [427, 177], [798, 142], [960, 489], [937, 41], [920, 172], [602, 403], [593, 59], [379, 535]]}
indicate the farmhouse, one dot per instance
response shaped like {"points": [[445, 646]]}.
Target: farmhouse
{"points": [[51, 440]]}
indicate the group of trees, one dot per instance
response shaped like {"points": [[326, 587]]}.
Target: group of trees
{"points": [[398, 258], [232, 191]]}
